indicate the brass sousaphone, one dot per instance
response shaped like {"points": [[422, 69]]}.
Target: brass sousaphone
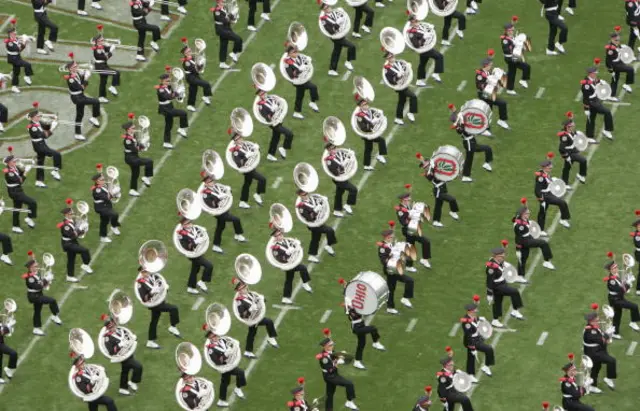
{"points": [[214, 166], [218, 320], [121, 309], [306, 179], [81, 345], [248, 269], [281, 219], [189, 361], [153, 257]]}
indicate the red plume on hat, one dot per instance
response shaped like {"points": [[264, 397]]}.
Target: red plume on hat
{"points": [[637, 213], [570, 356], [327, 332], [10, 149], [99, 167], [184, 40], [491, 52], [449, 351], [167, 68], [104, 317], [514, 19], [476, 298], [68, 201], [13, 22], [504, 243], [569, 115], [451, 107], [35, 104], [610, 254], [131, 116], [550, 155], [523, 201], [99, 27], [341, 281], [204, 327], [391, 224], [71, 55], [617, 29], [301, 380], [595, 306], [545, 405], [597, 61], [427, 389]]}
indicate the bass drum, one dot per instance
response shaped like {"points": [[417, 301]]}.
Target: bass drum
{"points": [[443, 8], [206, 395], [475, 115], [367, 292], [447, 163]]}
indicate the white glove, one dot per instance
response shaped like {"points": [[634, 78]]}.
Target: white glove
{"points": [[543, 204], [112, 48], [490, 299], [587, 113], [27, 168], [199, 240]]}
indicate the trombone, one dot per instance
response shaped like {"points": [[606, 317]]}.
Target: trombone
{"points": [[50, 118], [118, 44], [31, 163], [19, 210], [86, 69]]}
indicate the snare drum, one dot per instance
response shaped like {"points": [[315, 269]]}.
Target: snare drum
{"points": [[367, 292], [447, 161], [476, 116], [395, 265]]}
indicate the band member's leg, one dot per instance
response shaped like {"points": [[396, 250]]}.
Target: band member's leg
{"points": [[79, 115], [335, 55], [314, 244], [304, 273], [266, 6], [402, 99], [347, 384], [362, 342], [251, 14], [225, 379], [106, 401], [168, 125], [131, 364], [7, 246], [426, 245], [13, 357], [437, 209], [617, 316], [489, 354], [471, 362], [40, 157], [408, 285], [42, 29], [193, 274], [237, 224], [453, 203], [153, 324], [368, 149], [251, 337], [564, 207], [297, 106], [262, 182], [17, 203], [244, 194], [37, 313], [221, 223], [337, 201], [526, 70], [392, 280], [512, 70], [268, 324], [102, 89], [351, 49], [104, 222], [55, 155], [603, 357], [357, 19], [134, 165], [446, 27], [142, 34], [542, 214], [553, 30], [237, 43], [329, 393], [71, 261], [566, 170], [497, 304], [523, 255], [468, 162], [516, 298], [438, 59], [597, 365], [502, 109], [368, 21], [53, 29], [275, 140], [413, 101], [331, 234], [632, 37], [224, 47], [382, 146], [287, 289], [352, 197], [15, 75], [193, 93], [633, 310], [241, 379], [590, 127], [207, 269], [615, 77], [462, 20], [114, 218], [4, 114], [288, 137]]}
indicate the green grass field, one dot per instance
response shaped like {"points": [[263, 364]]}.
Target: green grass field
{"points": [[526, 373]]}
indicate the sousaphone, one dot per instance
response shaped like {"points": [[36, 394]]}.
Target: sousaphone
{"points": [[189, 361], [297, 36], [188, 358], [364, 88], [419, 8], [248, 269], [218, 320], [241, 121], [212, 164], [306, 179], [81, 345], [443, 8], [280, 217], [462, 381], [121, 309], [334, 131], [153, 256], [263, 77], [392, 40], [188, 204]]}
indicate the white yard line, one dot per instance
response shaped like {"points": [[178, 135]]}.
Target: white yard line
{"points": [[540, 92], [462, 85], [4, 25], [197, 304], [578, 96], [346, 75], [96, 254], [276, 182], [619, 103], [454, 330], [325, 316], [543, 338], [286, 307], [632, 347], [412, 325]]}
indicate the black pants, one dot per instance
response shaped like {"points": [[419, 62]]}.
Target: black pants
{"points": [[195, 82], [341, 187], [316, 235], [554, 24], [253, 330], [72, 248], [104, 400], [169, 113], [81, 101], [4, 113], [225, 378], [512, 70], [462, 23], [156, 312], [337, 49], [43, 151], [13, 357], [20, 199], [276, 132], [226, 35], [575, 405], [313, 91], [602, 357], [135, 163], [620, 304], [632, 36], [392, 280], [489, 357], [568, 161], [38, 300], [368, 149], [368, 21], [595, 109], [472, 147], [524, 249], [615, 77], [81, 3], [17, 63], [498, 295], [7, 247], [104, 78], [550, 199], [500, 103], [164, 6], [424, 241], [288, 279], [424, 60], [130, 365], [454, 398], [207, 272], [43, 23], [637, 256], [107, 216], [332, 382], [440, 200], [253, 6], [361, 332], [221, 223], [143, 27], [248, 179], [403, 95]]}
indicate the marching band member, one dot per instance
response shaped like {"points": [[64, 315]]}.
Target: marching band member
{"points": [[189, 242], [497, 288], [416, 36], [462, 25], [223, 21], [240, 158], [482, 76], [212, 200], [166, 94], [41, 17], [35, 295], [341, 186], [7, 248], [192, 75], [251, 14], [525, 241], [39, 134], [85, 384], [593, 105], [471, 146], [474, 342], [424, 402], [14, 178], [81, 4], [104, 207], [191, 391], [617, 288], [132, 157], [404, 214], [393, 73], [552, 14], [164, 9], [70, 245], [360, 329], [280, 253], [448, 394], [299, 403], [384, 254], [139, 11], [595, 342], [77, 83], [635, 234], [217, 350], [246, 304], [267, 110], [10, 369], [101, 56], [616, 66], [146, 292], [632, 8], [4, 111], [14, 58], [366, 123], [513, 63], [329, 365], [440, 192], [309, 212], [546, 198], [364, 8], [112, 341], [569, 153], [294, 70], [329, 21], [571, 392]]}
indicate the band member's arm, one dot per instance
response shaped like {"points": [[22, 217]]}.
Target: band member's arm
{"points": [[146, 5], [469, 329], [190, 397], [186, 241], [144, 290], [540, 185], [481, 80], [244, 308], [384, 253], [326, 363], [507, 46], [443, 387], [210, 199], [131, 146], [239, 157], [588, 93], [75, 84], [12, 177], [593, 338], [403, 215], [390, 74], [306, 210], [491, 269], [292, 70], [83, 383], [333, 166], [416, 38], [68, 232], [33, 284]]}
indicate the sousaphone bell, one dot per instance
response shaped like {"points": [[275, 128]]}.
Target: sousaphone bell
{"points": [[334, 131], [248, 269], [188, 204], [153, 256], [263, 77]]}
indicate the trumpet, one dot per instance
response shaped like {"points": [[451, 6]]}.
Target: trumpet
{"points": [[19, 210]]}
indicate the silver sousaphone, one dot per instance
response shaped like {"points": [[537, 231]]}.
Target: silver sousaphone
{"points": [[443, 8], [365, 90], [190, 207], [392, 41], [462, 381], [153, 257], [248, 269], [281, 219], [306, 179], [297, 36], [557, 187], [121, 309], [218, 320], [420, 9], [189, 361], [81, 344], [335, 134], [214, 166], [264, 79]]}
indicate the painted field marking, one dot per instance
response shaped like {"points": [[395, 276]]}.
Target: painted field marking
{"points": [[543, 338], [632, 347], [454, 330], [198, 303], [578, 96], [272, 66], [346, 75], [462, 85], [276, 182], [617, 103], [540, 92], [286, 307], [412, 325], [325, 316], [4, 25]]}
